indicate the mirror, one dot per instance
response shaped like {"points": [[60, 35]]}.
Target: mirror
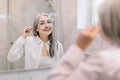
{"points": [[14, 16]]}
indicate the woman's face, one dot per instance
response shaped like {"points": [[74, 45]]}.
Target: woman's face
{"points": [[44, 26]]}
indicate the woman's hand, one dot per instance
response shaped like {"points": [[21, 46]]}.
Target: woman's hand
{"points": [[26, 31], [86, 37]]}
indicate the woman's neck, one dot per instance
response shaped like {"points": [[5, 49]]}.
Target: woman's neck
{"points": [[44, 38]]}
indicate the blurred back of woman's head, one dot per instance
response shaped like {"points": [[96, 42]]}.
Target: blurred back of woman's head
{"points": [[109, 17]]}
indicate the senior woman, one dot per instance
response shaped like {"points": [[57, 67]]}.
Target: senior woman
{"points": [[40, 50]]}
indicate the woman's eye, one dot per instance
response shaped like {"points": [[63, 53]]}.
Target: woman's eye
{"points": [[49, 22], [41, 23]]}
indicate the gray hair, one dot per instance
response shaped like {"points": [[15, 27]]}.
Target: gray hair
{"points": [[109, 17], [53, 43]]}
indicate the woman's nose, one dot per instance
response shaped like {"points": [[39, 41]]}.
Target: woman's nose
{"points": [[46, 25]]}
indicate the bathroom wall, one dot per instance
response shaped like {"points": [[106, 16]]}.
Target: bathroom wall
{"points": [[3, 34]]}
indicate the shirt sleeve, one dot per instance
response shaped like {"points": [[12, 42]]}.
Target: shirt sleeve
{"points": [[67, 64], [17, 50]]}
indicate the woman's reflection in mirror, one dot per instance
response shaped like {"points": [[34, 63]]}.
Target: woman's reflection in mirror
{"points": [[40, 50]]}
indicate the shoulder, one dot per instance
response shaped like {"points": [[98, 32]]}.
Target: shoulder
{"points": [[110, 58], [106, 57], [110, 53], [30, 38]]}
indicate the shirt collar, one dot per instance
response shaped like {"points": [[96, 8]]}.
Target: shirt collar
{"points": [[39, 41]]}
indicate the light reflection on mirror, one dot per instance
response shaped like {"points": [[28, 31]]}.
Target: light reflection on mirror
{"points": [[87, 12]]}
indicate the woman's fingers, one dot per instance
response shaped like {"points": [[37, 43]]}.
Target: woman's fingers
{"points": [[28, 28], [95, 31], [91, 32], [87, 36], [26, 31]]}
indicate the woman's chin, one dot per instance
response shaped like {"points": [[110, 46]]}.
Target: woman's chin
{"points": [[47, 33]]}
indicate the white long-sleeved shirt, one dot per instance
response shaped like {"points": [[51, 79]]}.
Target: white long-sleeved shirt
{"points": [[103, 65], [31, 48]]}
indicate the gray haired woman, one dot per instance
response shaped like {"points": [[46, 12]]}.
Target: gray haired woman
{"points": [[104, 64], [40, 50]]}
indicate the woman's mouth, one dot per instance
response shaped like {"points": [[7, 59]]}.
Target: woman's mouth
{"points": [[46, 30]]}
